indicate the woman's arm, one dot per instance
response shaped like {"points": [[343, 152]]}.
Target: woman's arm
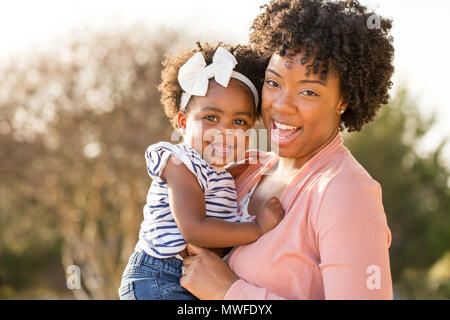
{"points": [[187, 203], [353, 240]]}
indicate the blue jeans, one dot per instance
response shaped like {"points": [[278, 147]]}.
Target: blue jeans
{"points": [[149, 278]]}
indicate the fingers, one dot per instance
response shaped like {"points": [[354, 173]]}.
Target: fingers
{"points": [[273, 201], [183, 282], [185, 279], [188, 260], [275, 211], [194, 250], [189, 263], [194, 253], [197, 253], [185, 269]]}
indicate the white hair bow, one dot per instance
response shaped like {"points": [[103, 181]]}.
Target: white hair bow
{"points": [[194, 75]]}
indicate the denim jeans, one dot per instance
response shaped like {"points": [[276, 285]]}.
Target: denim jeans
{"points": [[149, 278]]}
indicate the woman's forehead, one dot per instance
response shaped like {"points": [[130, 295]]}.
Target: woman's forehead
{"points": [[289, 64], [290, 58], [300, 66]]}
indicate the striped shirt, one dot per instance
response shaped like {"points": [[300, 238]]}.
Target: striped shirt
{"points": [[159, 235]]}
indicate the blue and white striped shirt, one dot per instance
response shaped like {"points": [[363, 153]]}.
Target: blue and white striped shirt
{"points": [[159, 235]]}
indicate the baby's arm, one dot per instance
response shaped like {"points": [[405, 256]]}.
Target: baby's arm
{"points": [[268, 217], [187, 203], [236, 169]]}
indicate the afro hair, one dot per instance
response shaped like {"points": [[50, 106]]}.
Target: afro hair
{"points": [[337, 36]]}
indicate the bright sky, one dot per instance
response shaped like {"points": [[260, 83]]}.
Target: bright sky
{"points": [[420, 35]]}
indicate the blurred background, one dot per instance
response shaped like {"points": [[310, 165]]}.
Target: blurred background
{"points": [[79, 106]]}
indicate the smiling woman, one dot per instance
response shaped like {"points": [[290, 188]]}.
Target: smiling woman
{"points": [[327, 72], [301, 113]]}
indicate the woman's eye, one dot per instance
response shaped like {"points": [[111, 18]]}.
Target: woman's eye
{"points": [[272, 83], [240, 122], [210, 118], [309, 93]]}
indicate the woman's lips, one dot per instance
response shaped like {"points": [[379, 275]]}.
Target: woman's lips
{"points": [[282, 133]]}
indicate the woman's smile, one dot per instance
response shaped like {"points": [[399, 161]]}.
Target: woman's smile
{"points": [[281, 133]]}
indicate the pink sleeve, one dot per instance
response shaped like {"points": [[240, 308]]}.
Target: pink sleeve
{"points": [[242, 290], [353, 240]]}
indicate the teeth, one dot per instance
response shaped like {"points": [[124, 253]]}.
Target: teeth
{"points": [[221, 146], [284, 126]]}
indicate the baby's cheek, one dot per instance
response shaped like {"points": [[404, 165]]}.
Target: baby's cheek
{"points": [[241, 143]]}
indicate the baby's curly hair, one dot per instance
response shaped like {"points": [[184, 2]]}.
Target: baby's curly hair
{"points": [[336, 32], [250, 63]]}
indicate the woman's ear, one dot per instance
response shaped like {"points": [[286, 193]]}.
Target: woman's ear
{"points": [[341, 106]]}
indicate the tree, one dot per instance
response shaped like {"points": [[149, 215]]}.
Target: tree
{"points": [[78, 122]]}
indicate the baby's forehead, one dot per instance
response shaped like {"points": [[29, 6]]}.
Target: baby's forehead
{"points": [[235, 88], [236, 96]]}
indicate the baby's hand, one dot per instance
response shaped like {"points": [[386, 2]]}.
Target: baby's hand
{"points": [[270, 215]]}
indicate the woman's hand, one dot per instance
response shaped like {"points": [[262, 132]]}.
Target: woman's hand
{"points": [[206, 275]]}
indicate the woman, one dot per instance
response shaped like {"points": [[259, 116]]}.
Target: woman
{"points": [[327, 71]]}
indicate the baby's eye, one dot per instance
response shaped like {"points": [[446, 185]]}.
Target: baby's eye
{"points": [[240, 122], [210, 118], [309, 93]]}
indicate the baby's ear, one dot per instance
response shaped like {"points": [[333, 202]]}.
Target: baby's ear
{"points": [[181, 120]]}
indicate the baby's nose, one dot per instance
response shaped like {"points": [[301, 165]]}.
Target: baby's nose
{"points": [[224, 135]]}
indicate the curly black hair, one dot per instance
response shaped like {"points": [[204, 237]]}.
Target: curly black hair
{"points": [[250, 63], [340, 36]]}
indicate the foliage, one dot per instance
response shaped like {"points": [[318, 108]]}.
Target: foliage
{"points": [[75, 128]]}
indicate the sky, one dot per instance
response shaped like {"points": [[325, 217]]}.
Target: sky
{"points": [[420, 31]]}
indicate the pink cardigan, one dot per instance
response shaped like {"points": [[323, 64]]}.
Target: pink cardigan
{"points": [[332, 243]]}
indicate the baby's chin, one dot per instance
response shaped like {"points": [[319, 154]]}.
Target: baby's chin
{"points": [[218, 161]]}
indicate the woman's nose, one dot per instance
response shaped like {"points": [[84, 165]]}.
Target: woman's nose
{"points": [[285, 103]]}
